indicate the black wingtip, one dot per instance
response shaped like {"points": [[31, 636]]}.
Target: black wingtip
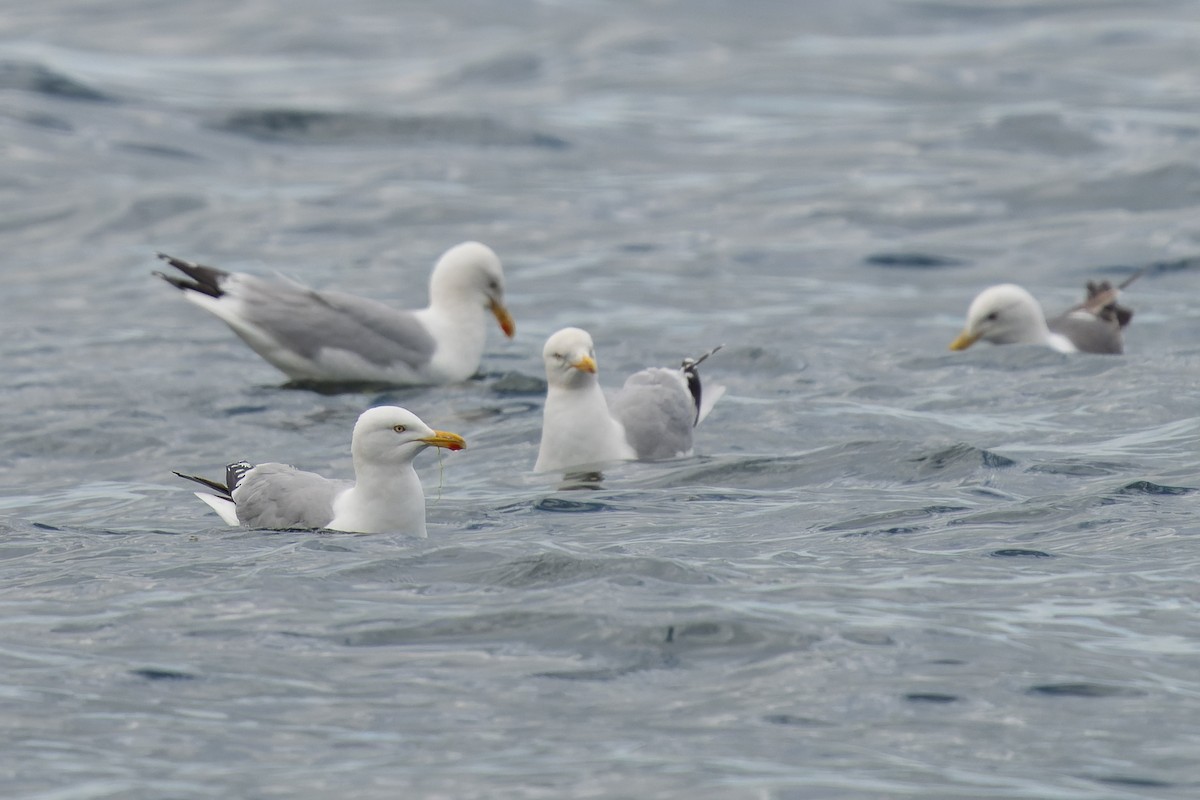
{"points": [[1111, 311], [234, 474], [692, 375], [178, 283], [692, 363], [220, 488], [233, 477], [205, 280]]}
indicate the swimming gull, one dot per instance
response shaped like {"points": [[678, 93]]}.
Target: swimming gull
{"points": [[330, 336], [1007, 314], [385, 494], [651, 417]]}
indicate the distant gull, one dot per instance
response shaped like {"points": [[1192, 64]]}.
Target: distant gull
{"points": [[1007, 314], [329, 336], [651, 417], [385, 494]]}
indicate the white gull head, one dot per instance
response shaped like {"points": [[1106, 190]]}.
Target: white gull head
{"points": [[1007, 314]]}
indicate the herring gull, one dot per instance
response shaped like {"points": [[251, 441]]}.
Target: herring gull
{"points": [[385, 494], [330, 336], [651, 417], [1007, 314]]}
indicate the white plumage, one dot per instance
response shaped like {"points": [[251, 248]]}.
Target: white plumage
{"points": [[1007, 314], [385, 494], [331, 336], [651, 417]]}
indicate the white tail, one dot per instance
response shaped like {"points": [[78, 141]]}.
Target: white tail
{"points": [[224, 508]]}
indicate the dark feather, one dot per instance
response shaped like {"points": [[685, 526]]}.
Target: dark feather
{"points": [[206, 280], [690, 372], [1102, 301], [220, 488], [233, 476], [235, 472]]}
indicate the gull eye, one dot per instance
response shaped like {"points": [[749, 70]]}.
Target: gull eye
{"points": [[399, 428], [992, 317], [558, 356], [494, 285]]}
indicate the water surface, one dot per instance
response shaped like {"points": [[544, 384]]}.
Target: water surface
{"points": [[889, 570]]}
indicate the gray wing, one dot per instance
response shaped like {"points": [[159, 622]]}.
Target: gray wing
{"points": [[1094, 326], [658, 413], [1089, 333], [280, 497], [306, 321]]}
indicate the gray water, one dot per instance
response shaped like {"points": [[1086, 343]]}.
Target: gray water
{"points": [[890, 571]]}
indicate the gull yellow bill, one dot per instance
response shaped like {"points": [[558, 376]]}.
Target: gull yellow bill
{"points": [[450, 441], [964, 340], [504, 318], [585, 364]]}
